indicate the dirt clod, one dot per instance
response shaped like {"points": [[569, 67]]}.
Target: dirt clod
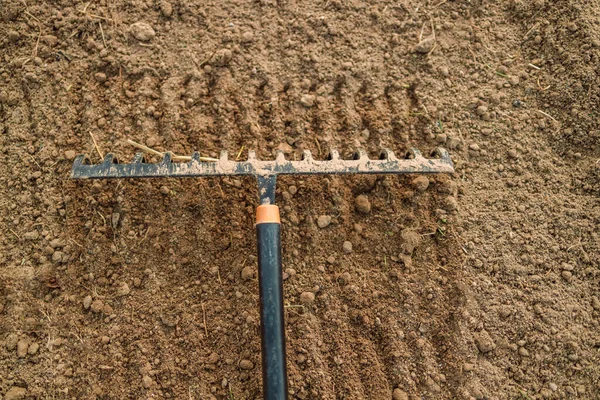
{"points": [[246, 364], [222, 57], [142, 31], [362, 204], [420, 183], [425, 45], [22, 347], [399, 394], [15, 393], [147, 382], [323, 221], [87, 302], [97, 306], [347, 247], [247, 273], [484, 342], [307, 298]]}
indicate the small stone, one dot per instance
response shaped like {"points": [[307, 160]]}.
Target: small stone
{"points": [[147, 381], [100, 77], [13, 36], [481, 110], [246, 364], [11, 342], [513, 80], [166, 9], [22, 347], [57, 243], [307, 298], [450, 203], [307, 100], [87, 302], [553, 386], [425, 45], [97, 306], [420, 183], [595, 303], [323, 221], [222, 57], [409, 240], [247, 37], [142, 31], [292, 190], [523, 352], [484, 342], [567, 275], [247, 273], [347, 247], [468, 367], [105, 340], [165, 190], [123, 289], [15, 393], [573, 357], [70, 154], [58, 256], [33, 235], [399, 394], [362, 204], [33, 348], [474, 147]]}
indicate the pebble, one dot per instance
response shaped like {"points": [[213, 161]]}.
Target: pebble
{"points": [[523, 352], [87, 302], [513, 80], [97, 306], [425, 45], [70, 154], [553, 386], [100, 77], [105, 340], [567, 275], [484, 342], [362, 204], [15, 393], [292, 190], [450, 203], [307, 100], [247, 273], [58, 256], [399, 394], [33, 235], [57, 243], [595, 303], [246, 364], [147, 381], [166, 8], [13, 36], [247, 37], [323, 221], [420, 183], [22, 347], [33, 348], [467, 367], [347, 246], [481, 110], [222, 57], [307, 298], [474, 147], [123, 289], [142, 31]]}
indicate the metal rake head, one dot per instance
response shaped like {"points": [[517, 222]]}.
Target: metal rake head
{"points": [[266, 171]]}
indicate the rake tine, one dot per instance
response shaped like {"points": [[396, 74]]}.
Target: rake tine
{"points": [[224, 156], [333, 155], [138, 158], [279, 156], [166, 159], [109, 159], [361, 154], [307, 156], [387, 154], [413, 154], [442, 153], [195, 157], [251, 155]]}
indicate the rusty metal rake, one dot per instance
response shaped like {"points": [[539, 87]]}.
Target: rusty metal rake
{"points": [[267, 218]]}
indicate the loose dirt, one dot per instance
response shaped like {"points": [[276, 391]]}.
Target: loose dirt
{"points": [[484, 284]]}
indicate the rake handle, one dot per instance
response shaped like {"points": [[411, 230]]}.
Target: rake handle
{"points": [[274, 370]]}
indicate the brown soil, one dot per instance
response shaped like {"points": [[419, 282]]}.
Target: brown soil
{"points": [[484, 285]]}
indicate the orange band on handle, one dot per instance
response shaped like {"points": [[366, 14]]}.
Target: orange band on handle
{"points": [[267, 213]]}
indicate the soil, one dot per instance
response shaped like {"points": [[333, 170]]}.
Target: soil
{"points": [[483, 284]]}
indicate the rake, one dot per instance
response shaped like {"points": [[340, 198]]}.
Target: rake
{"points": [[274, 370]]}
